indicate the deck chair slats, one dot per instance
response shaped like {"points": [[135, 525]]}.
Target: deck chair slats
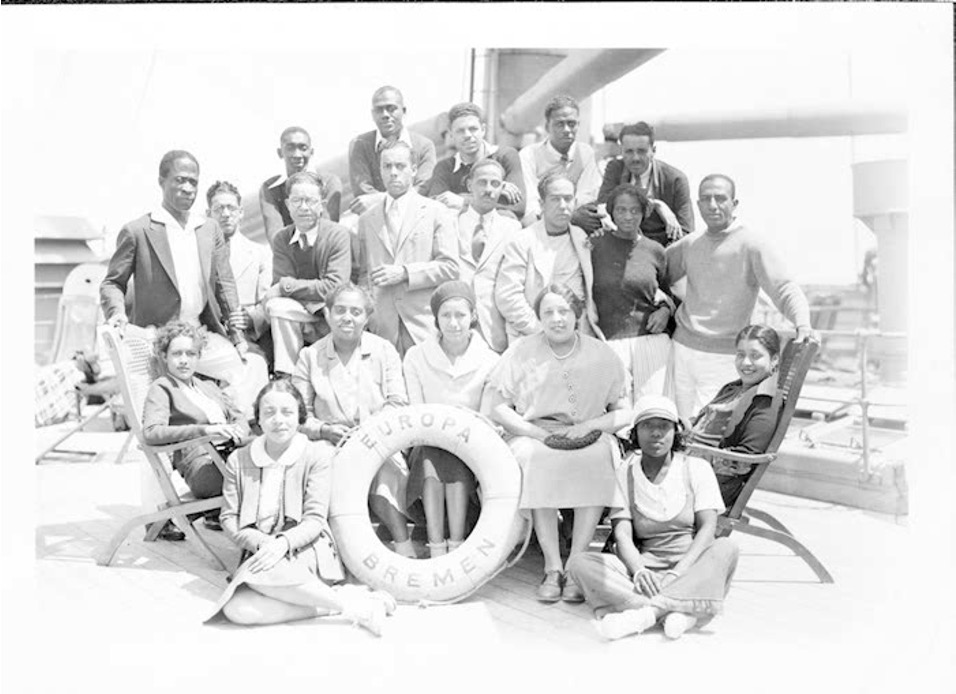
{"points": [[794, 364], [132, 357]]}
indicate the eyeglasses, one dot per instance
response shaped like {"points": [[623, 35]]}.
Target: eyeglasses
{"points": [[306, 202], [225, 209]]}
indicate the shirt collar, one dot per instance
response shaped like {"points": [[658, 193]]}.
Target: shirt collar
{"points": [[304, 239], [365, 347], [487, 220], [162, 216], [470, 361], [403, 136], [488, 150], [261, 459], [402, 202], [572, 150]]}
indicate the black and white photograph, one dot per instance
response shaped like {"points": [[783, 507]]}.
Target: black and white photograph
{"points": [[414, 347]]}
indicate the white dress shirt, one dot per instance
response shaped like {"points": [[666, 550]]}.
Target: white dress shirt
{"points": [[185, 252]]}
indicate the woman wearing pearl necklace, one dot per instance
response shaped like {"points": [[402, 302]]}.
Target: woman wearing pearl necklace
{"points": [[560, 396]]}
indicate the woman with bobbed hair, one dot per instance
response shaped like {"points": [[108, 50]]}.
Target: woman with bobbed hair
{"points": [[667, 563], [561, 396], [453, 369], [180, 407], [741, 417], [629, 291], [347, 376], [275, 508]]}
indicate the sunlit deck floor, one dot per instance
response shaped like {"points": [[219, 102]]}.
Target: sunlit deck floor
{"points": [[142, 617]]}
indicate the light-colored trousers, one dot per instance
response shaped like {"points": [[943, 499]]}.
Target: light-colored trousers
{"points": [[286, 317], [645, 358], [695, 377], [700, 591], [243, 380]]}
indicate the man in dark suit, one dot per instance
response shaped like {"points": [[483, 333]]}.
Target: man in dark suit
{"points": [[180, 265], [408, 245], [295, 151], [310, 258], [666, 187], [365, 151]]}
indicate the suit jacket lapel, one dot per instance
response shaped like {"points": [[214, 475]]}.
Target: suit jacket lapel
{"points": [[156, 235], [539, 231], [378, 226], [412, 215], [578, 240], [494, 238]]}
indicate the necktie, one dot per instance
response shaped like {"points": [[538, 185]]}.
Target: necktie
{"points": [[478, 242], [565, 161], [394, 223]]}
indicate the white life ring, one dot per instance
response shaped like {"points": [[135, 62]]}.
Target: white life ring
{"points": [[499, 529]]}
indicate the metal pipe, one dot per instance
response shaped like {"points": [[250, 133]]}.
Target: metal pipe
{"points": [[821, 120], [580, 74], [864, 402]]}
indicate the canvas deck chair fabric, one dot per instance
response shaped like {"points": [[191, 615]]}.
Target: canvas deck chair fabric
{"points": [[132, 355], [794, 364]]}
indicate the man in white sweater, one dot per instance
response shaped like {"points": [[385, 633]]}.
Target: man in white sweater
{"points": [[726, 266]]}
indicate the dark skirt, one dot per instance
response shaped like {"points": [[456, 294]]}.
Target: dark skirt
{"points": [[447, 466]]}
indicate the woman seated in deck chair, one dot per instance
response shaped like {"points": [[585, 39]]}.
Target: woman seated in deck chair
{"points": [[667, 563], [741, 416], [275, 502], [180, 407]]}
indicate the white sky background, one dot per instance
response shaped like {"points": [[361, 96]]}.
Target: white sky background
{"points": [[78, 138]]}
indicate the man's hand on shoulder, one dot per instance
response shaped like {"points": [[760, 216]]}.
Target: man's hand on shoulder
{"points": [[587, 217]]}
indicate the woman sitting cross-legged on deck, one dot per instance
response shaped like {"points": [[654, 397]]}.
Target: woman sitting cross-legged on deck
{"points": [[741, 416], [668, 563], [346, 377], [275, 502], [454, 370], [180, 407], [561, 396]]}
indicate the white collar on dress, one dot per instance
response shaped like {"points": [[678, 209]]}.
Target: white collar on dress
{"points": [[261, 459]]}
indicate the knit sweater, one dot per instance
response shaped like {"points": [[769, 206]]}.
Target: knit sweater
{"points": [[725, 271]]}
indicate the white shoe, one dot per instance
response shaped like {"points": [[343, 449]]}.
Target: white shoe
{"points": [[617, 625], [676, 623]]}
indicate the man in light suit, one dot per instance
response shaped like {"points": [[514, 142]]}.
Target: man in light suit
{"points": [[407, 246], [483, 234], [180, 265], [310, 258], [551, 250], [388, 112], [251, 265]]}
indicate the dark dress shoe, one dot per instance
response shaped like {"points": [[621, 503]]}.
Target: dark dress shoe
{"points": [[171, 533], [212, 523]]}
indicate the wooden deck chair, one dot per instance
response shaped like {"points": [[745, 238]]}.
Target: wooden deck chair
{"points": [[794, 364], [132, 355]]}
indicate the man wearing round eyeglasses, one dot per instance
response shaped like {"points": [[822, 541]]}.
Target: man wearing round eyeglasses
{"points": [[251, 265], [561, 152], [310, 257]]}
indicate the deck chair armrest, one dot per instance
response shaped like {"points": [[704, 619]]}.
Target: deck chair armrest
{"points": [[171, 447], [711, 452]]}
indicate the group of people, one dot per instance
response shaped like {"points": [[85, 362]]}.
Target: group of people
{"points": [[584, 316]]}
